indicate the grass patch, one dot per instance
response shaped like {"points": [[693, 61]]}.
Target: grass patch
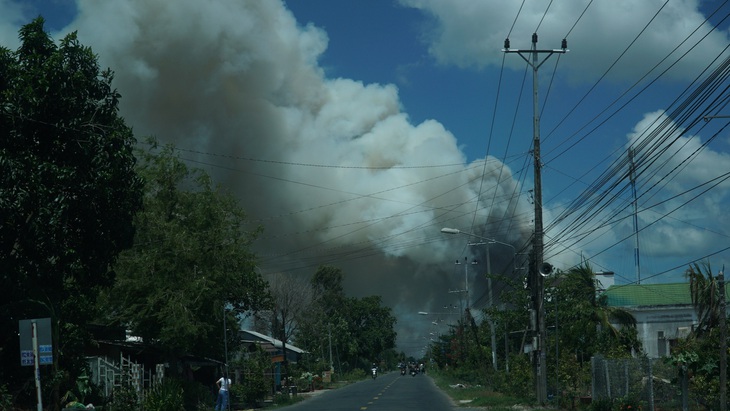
{"points": [[470, 395]]}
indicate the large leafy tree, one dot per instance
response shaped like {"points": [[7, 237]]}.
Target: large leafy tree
{"points": [[371, 327], [190, 263], [358, 330], [68, 191], [324, 326], [587, 325]]}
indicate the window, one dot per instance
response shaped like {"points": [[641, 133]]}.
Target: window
{"points": [[661, 344]]}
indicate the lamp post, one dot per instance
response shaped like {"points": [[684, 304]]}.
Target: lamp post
{"points": [[488, 241], [466, 279]]}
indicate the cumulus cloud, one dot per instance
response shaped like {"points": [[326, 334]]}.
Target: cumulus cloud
{"points": [[682, 166], [467, 35]]}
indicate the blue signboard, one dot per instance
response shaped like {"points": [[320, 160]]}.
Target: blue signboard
{"points": [[45, 347]]}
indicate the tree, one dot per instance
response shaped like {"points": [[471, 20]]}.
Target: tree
{"points": [[358, 330], [705, 295], [291, 297], [190, 261], [68, 191], [697, 356], [587, 325], [371, 328], [324, 326]]}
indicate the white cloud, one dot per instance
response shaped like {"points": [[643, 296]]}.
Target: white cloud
{"points": [[471, 34]]}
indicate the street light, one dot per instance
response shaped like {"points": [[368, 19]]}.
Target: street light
{"points": [[488, 241]]}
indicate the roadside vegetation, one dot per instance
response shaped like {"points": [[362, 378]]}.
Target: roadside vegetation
{"points": [[105, 235]]}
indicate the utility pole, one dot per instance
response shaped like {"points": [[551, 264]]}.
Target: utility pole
{"points": [[538, 281], [723, 341]]}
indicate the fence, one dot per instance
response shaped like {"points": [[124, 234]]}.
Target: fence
{"points": [[657, 385], [110, 375]]}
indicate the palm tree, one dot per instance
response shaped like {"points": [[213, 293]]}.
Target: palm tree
{"points": [[705, 293], [587, 315]]}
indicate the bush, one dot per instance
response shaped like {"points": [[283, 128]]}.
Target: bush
{"points": [[629, 404], [601, 404], [196, 394], [124, 398], [166, 395], [6, 400]]}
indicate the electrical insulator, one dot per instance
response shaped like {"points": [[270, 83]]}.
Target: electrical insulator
{"points": [[564, 44], [506, 44], [534, 38]]}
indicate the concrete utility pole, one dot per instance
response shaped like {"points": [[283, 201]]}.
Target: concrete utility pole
{"points": [[538, 282], [723, 341]]}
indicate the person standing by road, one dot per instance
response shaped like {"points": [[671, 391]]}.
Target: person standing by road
{"points": [[224, 384]]}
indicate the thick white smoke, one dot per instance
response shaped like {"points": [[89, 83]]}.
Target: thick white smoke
{"points": [[332, 168]]}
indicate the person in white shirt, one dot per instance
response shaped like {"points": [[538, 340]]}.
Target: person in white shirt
{"points": [[224, 385]]}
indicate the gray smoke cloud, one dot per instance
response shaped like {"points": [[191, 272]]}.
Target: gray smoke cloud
{"points": [[331, 167]]}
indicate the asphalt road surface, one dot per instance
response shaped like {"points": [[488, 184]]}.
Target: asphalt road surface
{"points": [[388, 392]]}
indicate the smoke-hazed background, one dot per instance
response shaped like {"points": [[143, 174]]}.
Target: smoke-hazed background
{"points": [[332, 168], [336, 171]]}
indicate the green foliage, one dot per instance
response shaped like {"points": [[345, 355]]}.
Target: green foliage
{"points": [[519, 381], [68, 192], [124, 398], [697, 356], [356, 374], [585, 321], [196, 394], [174, 292], [602, 404], [362, 329], [697, 359], [705, 294], [166, 395], [629, 403], [81, 392], [478, 395], [284, 399], [6, 400], [255, 384]]}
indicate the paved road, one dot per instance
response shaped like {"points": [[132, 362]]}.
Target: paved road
{"points": [[388, 392]]}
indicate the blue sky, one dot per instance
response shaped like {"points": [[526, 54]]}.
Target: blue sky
{"points": [[354, 130]]}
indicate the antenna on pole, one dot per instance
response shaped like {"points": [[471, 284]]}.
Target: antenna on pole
{"points": [[632, 176]]}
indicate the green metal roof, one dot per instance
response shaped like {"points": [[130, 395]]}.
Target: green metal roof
{"points": [[634, 295]]}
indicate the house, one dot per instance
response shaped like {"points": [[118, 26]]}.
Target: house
{"points": [[272, 346], [276, 349], [663, 312]]}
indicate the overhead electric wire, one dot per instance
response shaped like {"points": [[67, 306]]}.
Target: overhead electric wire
{"points": [[636, 83], [619, 164], [643, 156]]}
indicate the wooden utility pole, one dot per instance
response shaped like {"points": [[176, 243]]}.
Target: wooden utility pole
{"points": [[538, 281]]}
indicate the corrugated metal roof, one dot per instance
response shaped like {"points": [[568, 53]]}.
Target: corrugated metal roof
{"points": [[249, 335]]}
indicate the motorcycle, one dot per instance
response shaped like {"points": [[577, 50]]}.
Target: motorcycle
{"points": [[402, 370], [413, 372], [375, 373]]}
